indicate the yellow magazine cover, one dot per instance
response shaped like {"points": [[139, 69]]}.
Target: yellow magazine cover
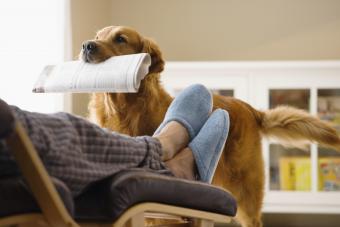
{"points": [[295, 173], [302, 174], [287, 173], [329, 174]]}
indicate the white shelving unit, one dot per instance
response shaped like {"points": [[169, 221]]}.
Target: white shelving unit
{"points": [[265, 84]]}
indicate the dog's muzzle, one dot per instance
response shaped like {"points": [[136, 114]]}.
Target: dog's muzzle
{"points": [[89, 48]]}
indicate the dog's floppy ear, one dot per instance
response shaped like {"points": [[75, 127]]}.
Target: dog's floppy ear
{"points": [[157, 61]]}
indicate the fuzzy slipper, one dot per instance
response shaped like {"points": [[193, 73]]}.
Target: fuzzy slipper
{"points": [[191, 108], [208, 145]]}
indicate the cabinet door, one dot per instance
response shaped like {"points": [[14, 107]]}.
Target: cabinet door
{"points": [[316, 91], [287, 169], [328, 107]]}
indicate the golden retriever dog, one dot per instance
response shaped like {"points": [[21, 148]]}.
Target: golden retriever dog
{"points": [[240, 169]]}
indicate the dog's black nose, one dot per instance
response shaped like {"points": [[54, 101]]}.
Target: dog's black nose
{"points": [[90, 47]]}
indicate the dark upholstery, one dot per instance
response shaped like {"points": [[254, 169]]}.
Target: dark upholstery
{"points": [[6, 120], [16, 198], [108, 199]]}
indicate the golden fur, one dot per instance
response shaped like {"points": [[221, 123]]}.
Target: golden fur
{"points": [[241, 168]]}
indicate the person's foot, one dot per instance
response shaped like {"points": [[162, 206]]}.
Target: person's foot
{"points": [[191, 108], [183, 120], [183, 165], [173, 138], [208, 145]]}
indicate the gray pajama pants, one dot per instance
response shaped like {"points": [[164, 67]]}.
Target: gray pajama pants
{"points": [[79, 152]]}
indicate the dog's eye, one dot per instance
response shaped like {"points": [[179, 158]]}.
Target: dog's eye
{"points": [[120, 39]]}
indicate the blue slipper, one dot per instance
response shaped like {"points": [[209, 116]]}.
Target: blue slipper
{"points": [[191, 108], [208, 145]]}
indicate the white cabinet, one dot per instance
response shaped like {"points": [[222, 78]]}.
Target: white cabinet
{"points": [[297, 181], [180, 75]]}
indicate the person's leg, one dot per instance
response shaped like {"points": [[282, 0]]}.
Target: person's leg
{"points": [[79, 152], [204, 150], [172, 138]]}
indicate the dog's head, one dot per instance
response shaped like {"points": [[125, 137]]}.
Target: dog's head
{"points": [[119, 40]]}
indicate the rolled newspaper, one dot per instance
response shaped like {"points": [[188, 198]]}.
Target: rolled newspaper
{"points": [[117, 74]]}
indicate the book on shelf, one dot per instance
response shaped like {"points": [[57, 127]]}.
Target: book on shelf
{"points": [[329, 109], [287, 174], [329, 174], [302, 174], [295, 173]]}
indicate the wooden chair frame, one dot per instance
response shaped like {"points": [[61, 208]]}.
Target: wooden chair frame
{"points": [[53, 210]]}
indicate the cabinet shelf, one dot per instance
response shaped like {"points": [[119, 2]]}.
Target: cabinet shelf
{"points": [[302, 202]]}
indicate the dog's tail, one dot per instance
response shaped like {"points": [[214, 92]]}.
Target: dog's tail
{"points": [[293, 127]]}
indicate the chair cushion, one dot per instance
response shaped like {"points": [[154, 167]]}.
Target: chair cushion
{"points": [[108, 199], [16, 198]]}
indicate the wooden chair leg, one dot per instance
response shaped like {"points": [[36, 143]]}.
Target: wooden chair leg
{"points": [[136, 221], [33, 224], [202, 223]]}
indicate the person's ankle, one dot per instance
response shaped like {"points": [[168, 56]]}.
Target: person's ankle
{"points": [[167, 147], [173, 138], [183, 165]]}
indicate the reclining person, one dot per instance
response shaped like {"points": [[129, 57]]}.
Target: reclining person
{"points": [[188, 141]]}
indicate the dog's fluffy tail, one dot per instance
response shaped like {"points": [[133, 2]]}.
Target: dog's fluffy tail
{"points": [[293, 127]]}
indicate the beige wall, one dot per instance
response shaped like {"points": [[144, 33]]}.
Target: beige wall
{"points": [[237, 30], [87, 16], [208, 30]]}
